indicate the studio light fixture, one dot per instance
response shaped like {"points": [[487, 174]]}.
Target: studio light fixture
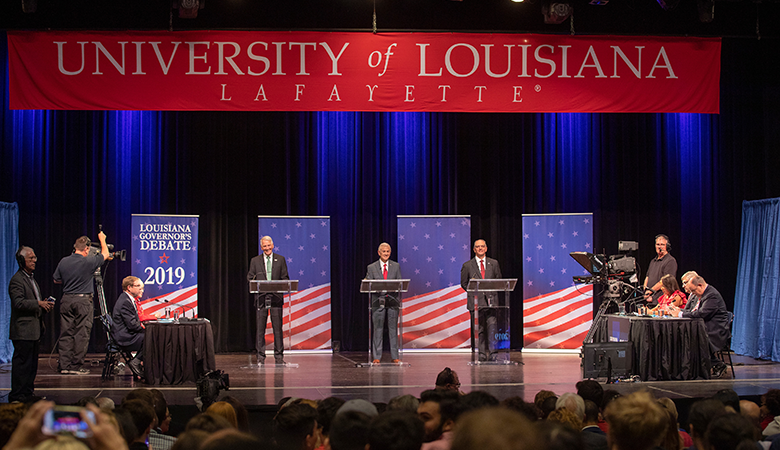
{"points": [[29, 6], [188, 9], [556, 12]]}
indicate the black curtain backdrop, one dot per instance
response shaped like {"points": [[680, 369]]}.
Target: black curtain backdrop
{"points": [[684, 175]]}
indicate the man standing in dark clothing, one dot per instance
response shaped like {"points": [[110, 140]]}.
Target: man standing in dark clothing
{"points": [[663, 264], [26, 329], [75, 273], [482, 267], [268, 266]]}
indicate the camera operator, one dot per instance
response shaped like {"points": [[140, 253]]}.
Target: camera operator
{"points": [[75, 272], [663, 264]]}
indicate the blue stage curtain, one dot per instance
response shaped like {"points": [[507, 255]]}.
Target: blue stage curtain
{"points": [[756, 330], [9, 243]]}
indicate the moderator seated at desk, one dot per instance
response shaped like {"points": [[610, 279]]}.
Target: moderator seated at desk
{"points": [[178, 352], [664, 348]]}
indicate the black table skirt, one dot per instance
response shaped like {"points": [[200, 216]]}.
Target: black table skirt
{"points": [[177, 353], [666, 349]]}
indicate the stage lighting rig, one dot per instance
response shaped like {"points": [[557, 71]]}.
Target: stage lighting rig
{"points": [[188, 9], [556, 12]]}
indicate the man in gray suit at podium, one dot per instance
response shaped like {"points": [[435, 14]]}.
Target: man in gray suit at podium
{"points": [[485, 268], [384, 269]]}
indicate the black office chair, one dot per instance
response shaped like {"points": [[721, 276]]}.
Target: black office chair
{"points": [[726, 350], [113, 363]]}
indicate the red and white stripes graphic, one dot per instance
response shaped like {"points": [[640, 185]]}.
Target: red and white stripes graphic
{"points": [[558, 320], [184, 300], [437, 319], [310, 317]]}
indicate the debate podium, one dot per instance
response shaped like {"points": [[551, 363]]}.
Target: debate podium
{"points": [[286, 288], [381, 287], [491, 321]]}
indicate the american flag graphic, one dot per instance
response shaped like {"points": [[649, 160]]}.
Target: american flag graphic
{"points": [[305, 244], [556, 313], [431, 251], [185, 301]]}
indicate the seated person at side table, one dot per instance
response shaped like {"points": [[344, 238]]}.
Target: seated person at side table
{"points": [[672, 296], [712, 309], [128, 332]]}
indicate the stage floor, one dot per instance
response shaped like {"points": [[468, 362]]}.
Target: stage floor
{"points": [[323, 375]]}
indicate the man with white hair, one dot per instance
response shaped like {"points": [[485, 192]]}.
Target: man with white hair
{"points": [[573, 403], [268, 266], [384, 304]]}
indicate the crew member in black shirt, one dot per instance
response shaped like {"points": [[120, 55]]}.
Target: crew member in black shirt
{"points": [[75, 273]]}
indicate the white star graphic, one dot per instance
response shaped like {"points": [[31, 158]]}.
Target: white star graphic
{"points": [[576, 233], [287, 236], [541, 270], [300, 272], [325, 248], [403, 260], [400, 237], [530, 283], [525, 236], [429, 259], [563, 245], [413, 224], [536, 224], [538, 246], [289, 259], [300, 247], [438, 224], [323, 223], [427, 236], [586, 220], [441, 247], [549, 235], [312, 236], [528, 259], [313, 260], [552, 283], [415, 248], [563, 270], [441, 271], [416, 271], [560, 222], [273, 225], [298, 224], [428, 284], [552, 258], [587, 245], [451, 259], [452, 235]]}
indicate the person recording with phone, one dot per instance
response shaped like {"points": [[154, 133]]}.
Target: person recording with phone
{"points": [[75, 272], [26, 327], [128, 331]]}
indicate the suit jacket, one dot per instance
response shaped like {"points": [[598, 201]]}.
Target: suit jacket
{"points": [[593, 439], [127, 329], [26, 314], [712, 309], [278, 272], [374, 272], [692, 300], [471, 270]]}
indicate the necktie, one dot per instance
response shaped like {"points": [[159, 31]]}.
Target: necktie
{"points": [[482, 267], [140, 310], [268, 267], [384, 270]]}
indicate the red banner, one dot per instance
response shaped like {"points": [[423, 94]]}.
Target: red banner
{"points": [[319, 71]]}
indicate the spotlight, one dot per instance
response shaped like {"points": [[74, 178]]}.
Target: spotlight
{"points": [[517, 1], [29, 6], [668, 5], [188, 9], [555, 12], [599, 2]]}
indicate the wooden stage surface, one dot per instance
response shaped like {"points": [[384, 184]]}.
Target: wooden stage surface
{"points": [[323, 375]]}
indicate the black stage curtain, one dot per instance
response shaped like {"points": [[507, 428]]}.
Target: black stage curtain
{"points": [[684, 175]]}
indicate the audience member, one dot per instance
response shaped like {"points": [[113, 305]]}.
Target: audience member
{"points": [[62, 442], [771, 402], [395, 430], [438, 411], [566, 417], [208, 423], [557, 436], [361, 405], [667, 403], [593, 438], [495, 429], [636, 422], [295, 427], [105, 403], [729, 398], [448, 380], [225, 410], [144, 420], [326, 410], [606, 399], [672, 439], [231, 439], [478, 399], [405, 402], [242, 415], [573, 403], [541, 396], [548, 406], [191, 439], [528, 410], [158, 440], [700, 415], [752, 412], [10, 415], [84, 401], [590, 390], [348, 431], [730, 432]]}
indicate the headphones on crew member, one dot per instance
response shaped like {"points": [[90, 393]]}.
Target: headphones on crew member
{"points": [[20, 257], [668, 243]]}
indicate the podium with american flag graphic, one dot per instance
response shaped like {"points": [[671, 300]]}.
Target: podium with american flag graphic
{"points": [[369, 287], [495, 312]]}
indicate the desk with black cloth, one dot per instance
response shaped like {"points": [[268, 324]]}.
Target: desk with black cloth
{"points": [[664, 348], [175, 353]]}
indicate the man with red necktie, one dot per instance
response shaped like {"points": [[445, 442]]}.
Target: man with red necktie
{"points": [[384, 269], [127, 331], [481, 267]]}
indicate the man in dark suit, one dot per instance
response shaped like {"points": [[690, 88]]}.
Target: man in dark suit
{"points": [[712, 309], [693, 300], [268, 266], [26, 329], [485, 268], [384, 269], [128, 332]]}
